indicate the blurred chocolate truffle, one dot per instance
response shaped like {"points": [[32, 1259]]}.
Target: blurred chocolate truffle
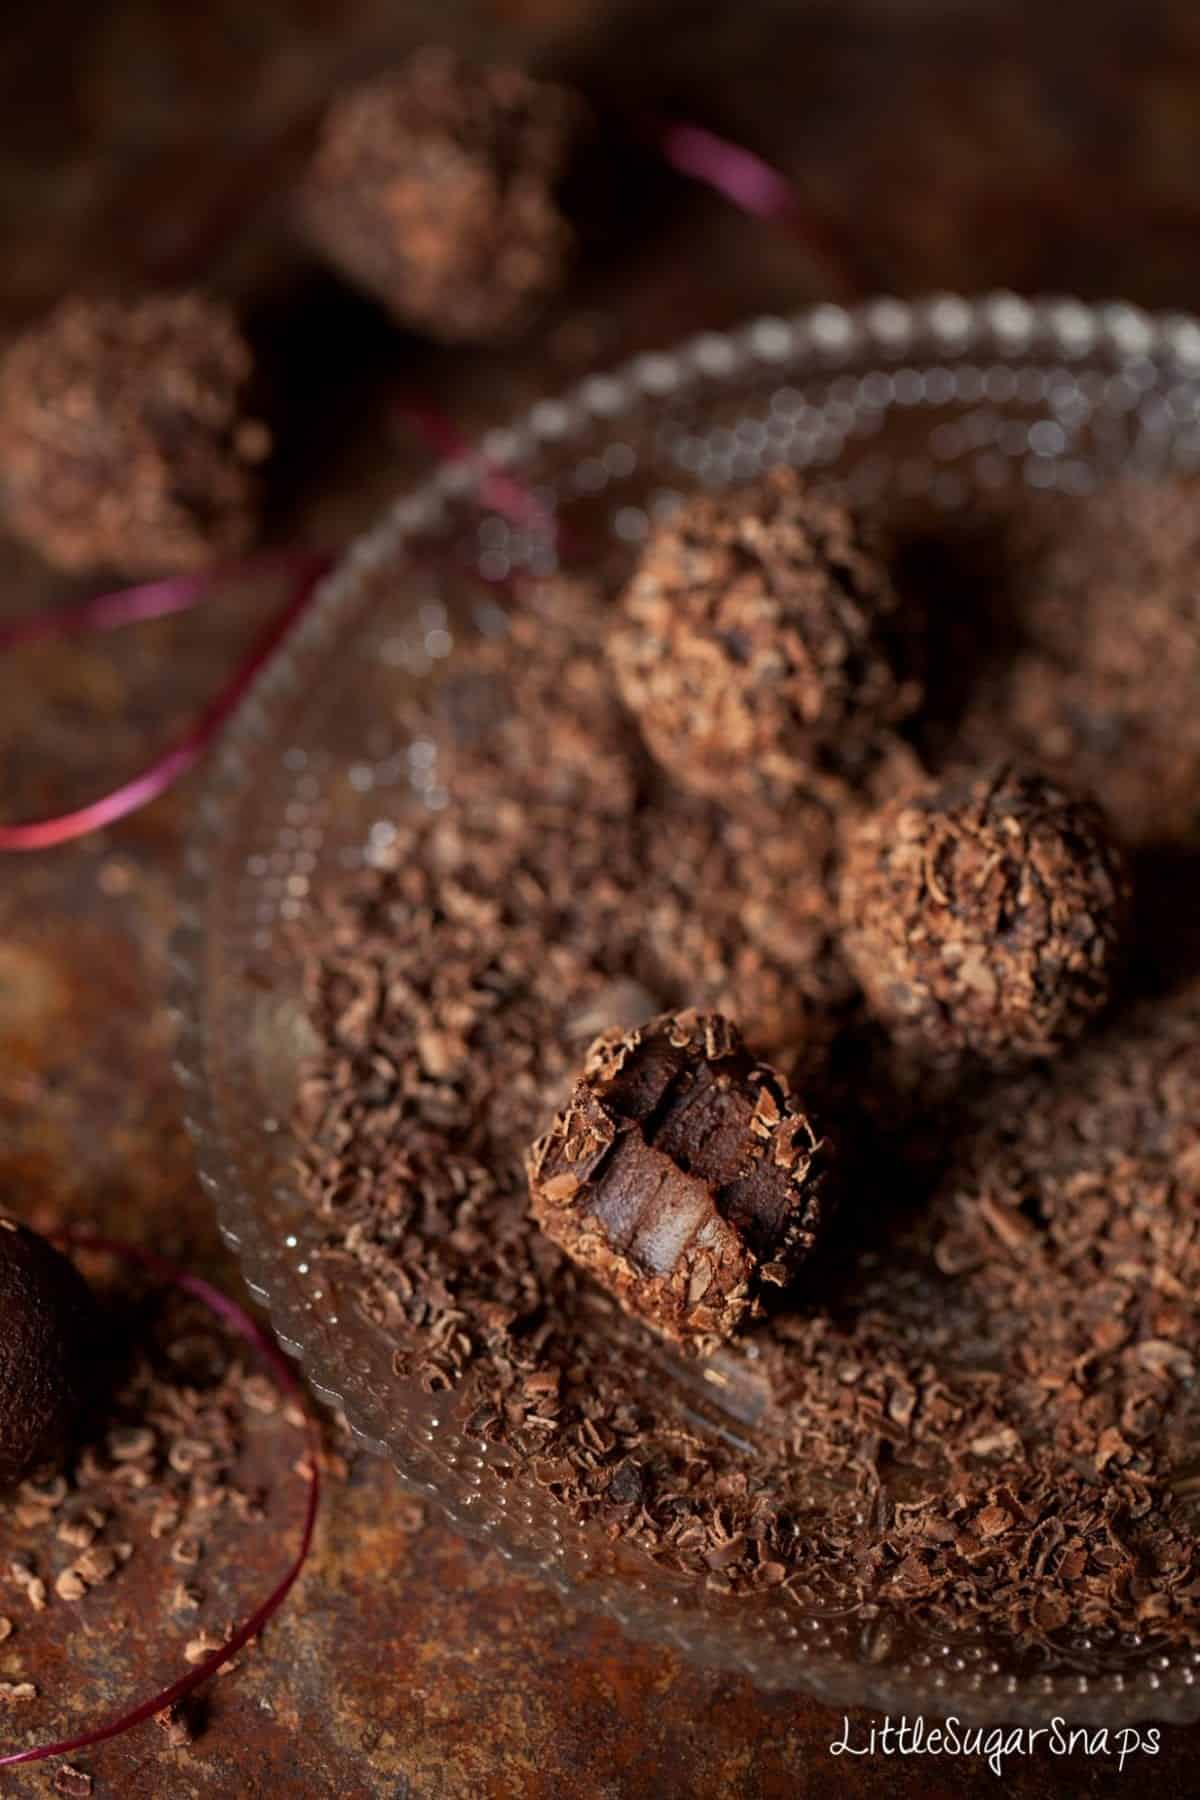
{"points": [[46, 1347], [684, 1175], [764, 641], [435, 188], [125, 436], [984, 915]]}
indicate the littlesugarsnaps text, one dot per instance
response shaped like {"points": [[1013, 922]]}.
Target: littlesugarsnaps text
{"points": [[994, 1743]]}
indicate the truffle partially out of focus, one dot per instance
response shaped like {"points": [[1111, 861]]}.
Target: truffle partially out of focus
{"points": [[764, 641], [684, 1175], [984, 916], [125, 436], [435, 189], [47, 1328]]}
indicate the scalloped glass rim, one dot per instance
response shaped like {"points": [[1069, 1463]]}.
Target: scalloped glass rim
{"points": [[899, 346]]}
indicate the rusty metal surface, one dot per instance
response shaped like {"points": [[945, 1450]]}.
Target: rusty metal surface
{"points": [[966, 152]]}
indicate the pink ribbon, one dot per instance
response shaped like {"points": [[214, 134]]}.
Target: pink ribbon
{"points": [[152, 601], [757, 188]]}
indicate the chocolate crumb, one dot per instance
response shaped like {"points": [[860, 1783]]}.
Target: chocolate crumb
{"points": [[22, 1575], [408, 1515], [75, 1783], [70, 1585], [176, 1726], [200, 1646]]}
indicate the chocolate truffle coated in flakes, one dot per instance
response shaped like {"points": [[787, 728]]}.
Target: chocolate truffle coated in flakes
{"points": [[125, 436], [46, 1322], [683, 1174], [984, 915], [763, 641], [435, 188]]}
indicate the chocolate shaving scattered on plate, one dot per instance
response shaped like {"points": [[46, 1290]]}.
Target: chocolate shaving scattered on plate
{"points": [[976, 1409]]}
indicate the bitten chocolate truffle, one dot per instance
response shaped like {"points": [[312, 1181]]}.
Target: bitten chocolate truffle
{"points": [[683, 1174], [125, 437], [984, 916], [763, 640], [46, 1321], [435, 188]]}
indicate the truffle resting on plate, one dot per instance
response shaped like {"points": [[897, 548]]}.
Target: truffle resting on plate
{"points": [[763, 641], [684, 1175], [984, 914]]}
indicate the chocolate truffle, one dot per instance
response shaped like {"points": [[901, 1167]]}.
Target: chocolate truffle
{"points": [[984, 915], [683, 1174], [125, 440], [47, 1319], [435, 188], [763, 641]]}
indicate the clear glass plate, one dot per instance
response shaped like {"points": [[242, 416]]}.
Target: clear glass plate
{"points": [[941, 403]]}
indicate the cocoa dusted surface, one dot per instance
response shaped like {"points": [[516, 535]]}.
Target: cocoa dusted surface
{"points": [[146, 141]]}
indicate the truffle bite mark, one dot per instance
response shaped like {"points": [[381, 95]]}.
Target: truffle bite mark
{"points": [[683, 1174]]}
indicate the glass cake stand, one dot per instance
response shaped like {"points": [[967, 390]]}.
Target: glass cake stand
{"points": [[940, 404]]}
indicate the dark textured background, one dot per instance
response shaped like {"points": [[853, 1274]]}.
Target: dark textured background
{"points": [[1038, 147]]}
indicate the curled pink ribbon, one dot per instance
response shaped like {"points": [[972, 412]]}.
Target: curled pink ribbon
{"points": [[155, 600]]}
